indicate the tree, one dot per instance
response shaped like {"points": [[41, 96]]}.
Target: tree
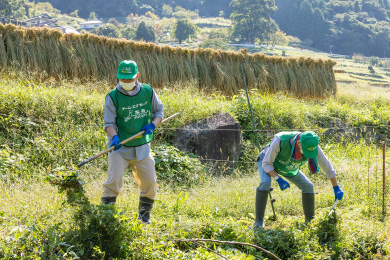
{"points": [[15, 9], [92, 16], [108, 30], [320, 33], [5, 7], [292, 26], [213, 8], [282, 14], [252, 19], [356, 6], [216, 44], [305, 25], [184, 29], [75, 13], [278, 38], [145, 32], [114, 22], [128, 33], [167, 10], [143, 9]]}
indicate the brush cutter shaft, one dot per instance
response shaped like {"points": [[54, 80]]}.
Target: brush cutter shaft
{"points": [[123, 142], [333, 207]]}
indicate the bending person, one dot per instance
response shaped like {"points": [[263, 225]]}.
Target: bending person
{"points": [[281, 159]]}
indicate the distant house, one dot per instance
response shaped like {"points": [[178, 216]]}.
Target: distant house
{"points": [[40, 21], [89, 25], [68, 29]]}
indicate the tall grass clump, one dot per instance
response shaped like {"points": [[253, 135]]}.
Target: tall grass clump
{"points": [[178, 168], [48, 53], [99, 231]]}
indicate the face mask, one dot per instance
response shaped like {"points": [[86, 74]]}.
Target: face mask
{"points": [[127, 86]]}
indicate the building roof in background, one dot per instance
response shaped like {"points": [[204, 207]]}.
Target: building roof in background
{"points": [[44, 16], [91, 22], [40, 21]]}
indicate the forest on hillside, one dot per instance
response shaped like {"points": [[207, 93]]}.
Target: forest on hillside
{"points": [[335, 26]]}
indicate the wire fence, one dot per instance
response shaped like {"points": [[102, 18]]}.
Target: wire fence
{"points": [[51, 123], [16, 147]]}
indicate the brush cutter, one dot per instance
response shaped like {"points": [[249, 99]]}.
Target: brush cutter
{"points": [[123, 142], [272, 202], [333, 207]]}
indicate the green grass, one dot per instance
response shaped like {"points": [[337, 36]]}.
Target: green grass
{"points": [[46, 126]]}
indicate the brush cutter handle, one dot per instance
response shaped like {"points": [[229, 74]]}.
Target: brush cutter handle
{"points": [[123, 142]]}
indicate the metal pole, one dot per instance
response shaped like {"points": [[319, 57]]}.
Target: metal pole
{"points": [[257, 138], [250, 109], [384, 178]]}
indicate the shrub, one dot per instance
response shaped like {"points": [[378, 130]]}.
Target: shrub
{"points": [[214, 44], [167, 10], [374, 61], [178, 168], [358, 58]]}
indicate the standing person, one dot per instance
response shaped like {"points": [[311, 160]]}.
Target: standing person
{"points": [[130, 108], [283, 157]]}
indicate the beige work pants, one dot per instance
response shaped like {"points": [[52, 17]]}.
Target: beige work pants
{"points": [[144, 172]]}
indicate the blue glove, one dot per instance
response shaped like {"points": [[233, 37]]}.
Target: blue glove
{"points": [[148, 129], [115, 141], [283, 184], [338, 193]]}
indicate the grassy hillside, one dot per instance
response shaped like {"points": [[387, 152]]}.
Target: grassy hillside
{"points": [[48, 127]]}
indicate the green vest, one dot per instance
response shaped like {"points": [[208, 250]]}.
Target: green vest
{"points": [[133, 113], [284, 164]]}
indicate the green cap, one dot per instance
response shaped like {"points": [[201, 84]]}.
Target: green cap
{"points": [[127, 69], [309, 143]]}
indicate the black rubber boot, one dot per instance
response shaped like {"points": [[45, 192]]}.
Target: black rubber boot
{"points": [[108, 200], [261, 203], [308, 206], [145, 206]]}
